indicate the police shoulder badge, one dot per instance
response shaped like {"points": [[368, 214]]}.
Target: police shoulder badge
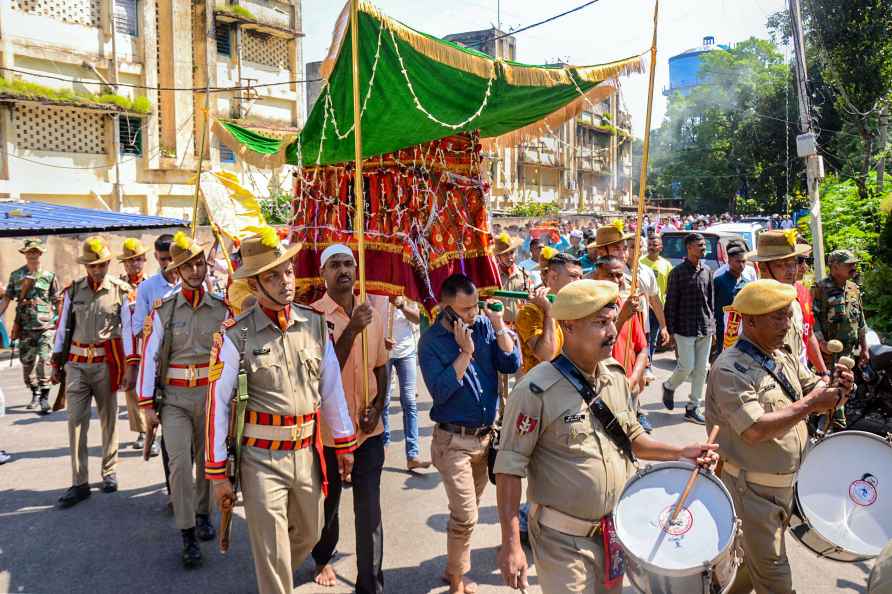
{"points": [[525, 424]]}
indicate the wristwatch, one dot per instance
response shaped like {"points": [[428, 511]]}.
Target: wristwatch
{"points": [[502, 332]]}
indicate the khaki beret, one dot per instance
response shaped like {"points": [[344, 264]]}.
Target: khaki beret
{"points": [[582, 298], [763, 296]]}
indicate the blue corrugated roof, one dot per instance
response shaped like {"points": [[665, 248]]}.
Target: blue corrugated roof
{"points": [[40, 218]]}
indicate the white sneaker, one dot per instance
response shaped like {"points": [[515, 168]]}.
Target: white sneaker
{"points": [[4, 457], [649, 375]]}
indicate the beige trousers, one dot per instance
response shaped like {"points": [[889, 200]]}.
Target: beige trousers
{"points": [[567, 563], [283, 507], [764, 512], [83, 383], [135, 415], [461, 461], [182, 416]]}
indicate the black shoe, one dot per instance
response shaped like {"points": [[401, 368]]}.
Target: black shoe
{"points": [[694, 415], [140, 441], [191, 551], [203, 528], [45, 401], [668, 397], [74, 495], [109, 483], [35, 399], [645, 423]]}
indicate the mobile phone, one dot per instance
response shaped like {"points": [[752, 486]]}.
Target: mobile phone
{"points": [[450, 315]]}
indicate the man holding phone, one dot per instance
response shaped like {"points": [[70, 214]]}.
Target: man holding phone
{"points": [[460, 357]]}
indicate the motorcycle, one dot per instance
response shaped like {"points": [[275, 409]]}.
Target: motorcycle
{"points": [[870, 408]]}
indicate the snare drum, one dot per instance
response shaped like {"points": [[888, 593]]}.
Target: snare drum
{"points": [[843, 503], [694, 555]]}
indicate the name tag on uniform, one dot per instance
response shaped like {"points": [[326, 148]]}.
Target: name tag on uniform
{"points": [[178, 324], [261, 351], [574, 418], [77, 303]]}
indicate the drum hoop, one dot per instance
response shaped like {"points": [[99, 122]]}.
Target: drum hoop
{"points": [[687, 571], [799, 510]]}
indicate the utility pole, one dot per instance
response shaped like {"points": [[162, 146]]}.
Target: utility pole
{"points": [[806, 143], [881, 164], [118, 202]]}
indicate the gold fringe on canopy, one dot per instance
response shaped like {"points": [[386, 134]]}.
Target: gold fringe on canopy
{"points": [[534, 76], [337, 40], [256, 159], [600, 72], [553, 120]]}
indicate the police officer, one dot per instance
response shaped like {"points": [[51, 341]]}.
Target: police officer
{"points": [[177, 340], [837, 307], [37, 294], [880, 580], [511, 276], [293, 378], [760, 395], [566, 447], [133, 258], [94, 308]]}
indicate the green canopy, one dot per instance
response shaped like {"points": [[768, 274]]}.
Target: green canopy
{"points": [[416, 88]]}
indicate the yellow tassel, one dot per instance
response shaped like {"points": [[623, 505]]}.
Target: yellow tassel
{"points": [[619, 225], [790, 234], [95, 245], [268, 235], [182, 241], [547, 253]]}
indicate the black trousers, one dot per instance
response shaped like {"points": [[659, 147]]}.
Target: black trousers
{"points": [[367, 467]]}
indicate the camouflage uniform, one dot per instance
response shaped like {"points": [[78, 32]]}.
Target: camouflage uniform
{"points": [[36, 319], [838, 314]]}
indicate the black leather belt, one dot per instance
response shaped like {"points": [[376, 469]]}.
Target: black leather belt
{"points": [[464, 431]]}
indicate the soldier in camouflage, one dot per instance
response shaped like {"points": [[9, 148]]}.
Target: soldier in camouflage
{"points": [[36, 292], [837, 308]]}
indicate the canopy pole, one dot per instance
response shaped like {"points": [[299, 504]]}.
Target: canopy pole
{"points": [[642, 179], [359, 214], [196, 199]]}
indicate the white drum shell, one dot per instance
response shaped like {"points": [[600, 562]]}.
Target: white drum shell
{"points": [[843, 504], [705, 563]]}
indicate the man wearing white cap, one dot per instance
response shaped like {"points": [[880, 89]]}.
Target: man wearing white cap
{"points": [[347, 318]]}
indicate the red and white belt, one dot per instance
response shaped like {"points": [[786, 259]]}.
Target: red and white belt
{"points": [[86, 353], [187, 376]]}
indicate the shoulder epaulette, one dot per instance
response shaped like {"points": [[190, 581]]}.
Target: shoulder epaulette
{"points": [[120, 284], [610, 362], [228, 323], [310, 308], [216, 297], [540, 378], [241, 316]]}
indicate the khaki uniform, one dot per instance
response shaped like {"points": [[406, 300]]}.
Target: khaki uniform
{"points": [[551, 437], [135, 415], [192, 318], [517, 280], [760, 477], [292, 371], [880, 580], [97, 354]]}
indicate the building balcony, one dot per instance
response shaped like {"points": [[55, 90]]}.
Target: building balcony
{"points": [[269, 18]]}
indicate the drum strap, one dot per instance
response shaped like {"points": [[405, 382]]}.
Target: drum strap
{"points": [[769, 365], [601, 411]]}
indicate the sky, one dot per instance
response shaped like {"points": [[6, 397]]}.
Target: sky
{"points": [[605, 31]]}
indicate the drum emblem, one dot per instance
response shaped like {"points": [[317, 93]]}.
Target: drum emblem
{"points": [[864, 491], [682, 524]]}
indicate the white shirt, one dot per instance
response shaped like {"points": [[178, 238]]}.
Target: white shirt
{"points": [[403, 336], [150, 290], [535, 275], [748, 274], [647, 286]]}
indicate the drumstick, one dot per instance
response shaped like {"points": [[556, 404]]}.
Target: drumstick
{"points": [[693, 479]]}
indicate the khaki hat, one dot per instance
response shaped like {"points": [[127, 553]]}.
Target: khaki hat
{"points": [[504, 243], [32, 244], [182, 249], [263, 251], [777, 245], [94, 250], [582, 298], [608, 234], [842, 257], [763, 296], [132, 248]]}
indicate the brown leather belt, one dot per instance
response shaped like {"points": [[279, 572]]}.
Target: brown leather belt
{"points": [[564, 523], [464, 431], [765, 479]]}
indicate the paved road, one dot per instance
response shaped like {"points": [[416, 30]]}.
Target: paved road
{"points": [[127, 542]]}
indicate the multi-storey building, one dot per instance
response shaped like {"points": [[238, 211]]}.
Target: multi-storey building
{"points": [[583, 165], [98, 105]]}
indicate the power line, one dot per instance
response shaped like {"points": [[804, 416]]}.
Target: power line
{"points": [[156, 88], [528, 27]]}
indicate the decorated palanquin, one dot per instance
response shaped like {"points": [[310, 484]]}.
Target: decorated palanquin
{"points": [[425, 219]]}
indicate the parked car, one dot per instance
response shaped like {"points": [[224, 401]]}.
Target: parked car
{"points": [[746, 231], [716, 242]]}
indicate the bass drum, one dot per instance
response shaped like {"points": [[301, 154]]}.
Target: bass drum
{"points": [[843, 504], [693, 555]]}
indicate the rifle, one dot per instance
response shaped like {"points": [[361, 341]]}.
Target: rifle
{"points": [[61, 358], [162, 361], [238, 406], [24, 289]]}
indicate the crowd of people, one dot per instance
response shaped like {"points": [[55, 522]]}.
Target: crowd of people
{"points": [[276, 400]]}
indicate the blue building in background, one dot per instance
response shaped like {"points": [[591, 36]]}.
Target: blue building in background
{"points": [[684, 69]]}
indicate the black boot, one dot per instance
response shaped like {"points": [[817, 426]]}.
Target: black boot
{"points": [[35, 398], [203, 527], [74, 495], [45, 401], [191, 550]]}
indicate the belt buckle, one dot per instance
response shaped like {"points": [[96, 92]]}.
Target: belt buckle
{"points": [[192, 376], [90, 352], [593, 531], [295, 432]]}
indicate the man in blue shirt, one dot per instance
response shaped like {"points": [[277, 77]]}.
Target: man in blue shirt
{"points": [[460, 357], [726, 286]]}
